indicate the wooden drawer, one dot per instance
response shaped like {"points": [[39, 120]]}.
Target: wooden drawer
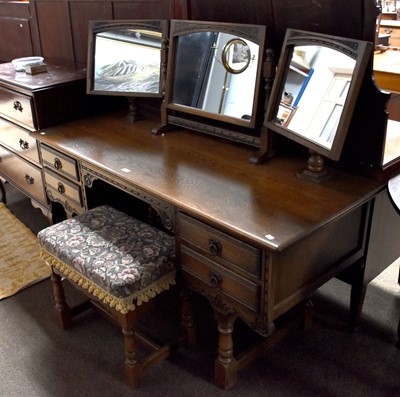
{"points": [[220, 247], [62, 189], [59, 162], [17, 108], [221, 279], [25, 175], [19, 141]]}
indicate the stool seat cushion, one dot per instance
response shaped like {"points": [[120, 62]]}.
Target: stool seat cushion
{"points": [[117, 258]]}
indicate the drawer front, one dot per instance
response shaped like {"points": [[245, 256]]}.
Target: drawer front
{"points": [[17, 108], [59, 162], [220, 247], [19, 141], [61, 188], [221, 279], [25, 175]]}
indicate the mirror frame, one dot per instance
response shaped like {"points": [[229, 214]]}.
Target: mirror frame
{"points": [[160, 26], [360, 51], [227, 127]]}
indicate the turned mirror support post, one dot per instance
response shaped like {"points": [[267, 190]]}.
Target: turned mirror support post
{"points": [[134, 113], [315, 170]]}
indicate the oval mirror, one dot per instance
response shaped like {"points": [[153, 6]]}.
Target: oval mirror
{"points": [[236, 56]]}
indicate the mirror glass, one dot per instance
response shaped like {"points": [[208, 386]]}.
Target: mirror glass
{"points": [[125, 58], [315, 90], [216, 72]]}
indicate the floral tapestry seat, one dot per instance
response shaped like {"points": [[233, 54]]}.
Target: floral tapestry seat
{"points": [[117, 260]]}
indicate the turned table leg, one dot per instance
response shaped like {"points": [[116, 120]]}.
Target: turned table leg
{"points": [[187, 319], [63, 311], [225, 364]]}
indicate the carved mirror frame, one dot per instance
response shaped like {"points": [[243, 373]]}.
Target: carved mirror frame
{"points": [[241, 129], [143, 37], [359, 51]]}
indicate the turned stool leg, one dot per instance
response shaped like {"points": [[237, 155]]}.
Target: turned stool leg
{"points": [[3, 192], [225, 364], [132, 368], [187, 319], [63, 311]]}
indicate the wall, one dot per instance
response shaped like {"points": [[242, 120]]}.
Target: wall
{"points": [[16, 30], [62, 25]]}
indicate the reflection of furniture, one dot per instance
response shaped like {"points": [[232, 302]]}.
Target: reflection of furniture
{"points": [[28, 103], [242, 230], [121, 263], [391, 27], [387, 70]]}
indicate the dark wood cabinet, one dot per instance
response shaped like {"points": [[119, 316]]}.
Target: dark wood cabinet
{"points": [[28, 103], [16, 30]]}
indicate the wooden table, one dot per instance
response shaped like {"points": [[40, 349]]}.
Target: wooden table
{"points": [[256, 240], [387, 70]]}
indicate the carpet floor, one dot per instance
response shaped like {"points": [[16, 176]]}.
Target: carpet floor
{"points": [[38, 359], [20, 264]]}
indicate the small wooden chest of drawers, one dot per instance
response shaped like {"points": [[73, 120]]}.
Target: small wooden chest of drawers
{"points": [[29, 103], [220, 264]]}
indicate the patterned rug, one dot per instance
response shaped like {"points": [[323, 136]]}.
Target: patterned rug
{"points": [[20, 265]]}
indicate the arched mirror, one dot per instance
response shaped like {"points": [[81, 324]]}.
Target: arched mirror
{"points": [[127, 58], [316, 88], [214, 73]]}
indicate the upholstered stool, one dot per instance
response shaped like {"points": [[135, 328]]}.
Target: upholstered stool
{"points": [[121, 263]]}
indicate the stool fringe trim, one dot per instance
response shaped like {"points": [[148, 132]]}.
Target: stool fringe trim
{"points": [[122, 305]]}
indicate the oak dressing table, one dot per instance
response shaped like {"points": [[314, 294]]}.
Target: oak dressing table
{"points": [[255, 240]]}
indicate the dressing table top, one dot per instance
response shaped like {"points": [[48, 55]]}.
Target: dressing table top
{"points": [[213, 179]]}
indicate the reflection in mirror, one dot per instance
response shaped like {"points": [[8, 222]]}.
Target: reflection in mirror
{"points": [[224, 83], [127, 58], [214, 72], [318, 78], [219, 75], [315, 90]]}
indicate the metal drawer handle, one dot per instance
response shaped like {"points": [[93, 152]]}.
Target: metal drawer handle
{"points": [[18, 106], [57, 163], [29, 180], [215, 279], [61, 188], [24, 145], [215, 247]]}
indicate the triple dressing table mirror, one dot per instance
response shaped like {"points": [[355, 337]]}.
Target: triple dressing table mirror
{"points": [[314, 94], [127, 58], [214, 79]]}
